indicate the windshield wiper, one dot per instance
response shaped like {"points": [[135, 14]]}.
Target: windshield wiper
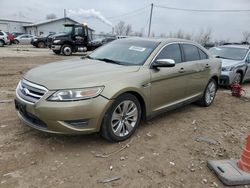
{"points": [[221, 57], [108, 60]]}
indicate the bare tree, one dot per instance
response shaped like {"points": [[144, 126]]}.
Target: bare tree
{"points": [[204, 37], [120, 28], [153, 34], [246, 36], [128, 30], [163, 35], [50, 16]]}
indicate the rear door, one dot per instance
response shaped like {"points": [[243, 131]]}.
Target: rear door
{"points": [[198, 67], [168, 85]]}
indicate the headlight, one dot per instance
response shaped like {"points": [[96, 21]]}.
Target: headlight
{"points": [[228, 68], [76, 94], [34, 39], [56, 41]]}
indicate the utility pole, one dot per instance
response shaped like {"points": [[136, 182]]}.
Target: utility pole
{"points": [[64, 13], [150, 19]]}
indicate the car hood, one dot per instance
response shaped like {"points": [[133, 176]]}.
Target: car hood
{"points": [[229, 62], [77, 73]]}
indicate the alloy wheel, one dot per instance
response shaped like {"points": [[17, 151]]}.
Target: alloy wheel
{"points": [[210, 92], [124, 118]]}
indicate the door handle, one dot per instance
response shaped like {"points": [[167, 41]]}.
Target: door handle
{"points": [[181, 70]]}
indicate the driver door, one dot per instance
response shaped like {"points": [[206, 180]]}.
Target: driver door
{"points": [[79, 35], [169, 84]]}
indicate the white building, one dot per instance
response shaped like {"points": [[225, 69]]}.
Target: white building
{"points": [[13, 25], [48, 26]]}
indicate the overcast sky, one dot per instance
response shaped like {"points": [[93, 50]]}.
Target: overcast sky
{"points": [[225, 26]]}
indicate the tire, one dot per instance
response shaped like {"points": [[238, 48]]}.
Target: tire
{"points": [[237, 78], [209, 94], [57, 52], [118, 127], [16, 41], [1, 43], [66, 50], [41, 45]]}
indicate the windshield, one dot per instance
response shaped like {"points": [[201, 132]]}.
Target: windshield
{"points": [[125, 51], [67, 29], [229, 52]]}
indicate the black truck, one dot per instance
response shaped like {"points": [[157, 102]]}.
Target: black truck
{"points": [[75, 38]]}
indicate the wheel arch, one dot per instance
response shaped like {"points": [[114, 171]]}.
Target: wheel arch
{"points": [[139, 95]]}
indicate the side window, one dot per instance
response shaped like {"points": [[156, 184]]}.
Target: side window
{"points": [[171, 51], [190, 52], [78, 31], [203, 55], [1, 33]]}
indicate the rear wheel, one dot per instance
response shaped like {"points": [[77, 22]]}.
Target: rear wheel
{"points": [[67, 50], [41, 45], [122, 119], [56, 51], [209, 94], [1, 43]]}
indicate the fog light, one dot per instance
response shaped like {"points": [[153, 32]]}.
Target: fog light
{"points": [[78, 123]]}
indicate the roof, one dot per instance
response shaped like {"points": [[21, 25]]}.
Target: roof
{"points": [[49, 21], [19, 21], [242, 46], [167, 40]]}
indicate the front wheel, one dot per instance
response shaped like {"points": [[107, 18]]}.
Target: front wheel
{"points": [[122, 119], [67, 50], [237, 79], [209, 94], [1, 43], [41, 45]]}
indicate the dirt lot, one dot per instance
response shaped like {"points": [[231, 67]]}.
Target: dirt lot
{"points": [[162, 153]]}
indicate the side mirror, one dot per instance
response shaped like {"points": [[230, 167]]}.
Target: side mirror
{"points": [[163, 63]]}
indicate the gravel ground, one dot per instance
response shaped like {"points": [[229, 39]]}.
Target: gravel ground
{"points": [[164, 152]]}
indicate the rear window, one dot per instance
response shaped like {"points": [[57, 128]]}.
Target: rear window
{"points": [[1, 33], [190, 52]]}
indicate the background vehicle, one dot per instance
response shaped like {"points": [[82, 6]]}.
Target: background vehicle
{"points": [[4, 40], [116, 86], [235, 63], [23, 39], [41, 41], [16, 34], [75, 38]]}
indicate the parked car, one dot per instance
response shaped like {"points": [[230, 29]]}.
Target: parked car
{"points": [[235, 63], [116, 86], [24, 39], [4, 38], [10, 37], [108, 39], [16, 34], [41, 41]]}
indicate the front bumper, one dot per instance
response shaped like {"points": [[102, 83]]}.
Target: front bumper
{"points": [[56, 47], [226, 78], [62, 117]]}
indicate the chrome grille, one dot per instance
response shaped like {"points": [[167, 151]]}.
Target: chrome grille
{"points": [[29, 91]]}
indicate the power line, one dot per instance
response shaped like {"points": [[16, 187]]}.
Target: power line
{"points": [[129, 13], [201, 10]]}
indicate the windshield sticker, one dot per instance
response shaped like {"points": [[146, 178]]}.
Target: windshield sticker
{"points": [[137, 48]]}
